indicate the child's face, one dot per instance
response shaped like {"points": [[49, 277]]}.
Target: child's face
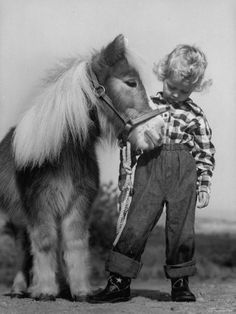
{"points": [[176, 89]]}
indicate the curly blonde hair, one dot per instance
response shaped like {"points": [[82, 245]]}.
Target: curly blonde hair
{"points": [[186, 63]]}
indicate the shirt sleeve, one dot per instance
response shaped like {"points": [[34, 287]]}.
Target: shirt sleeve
{"points": [[203, 154]]}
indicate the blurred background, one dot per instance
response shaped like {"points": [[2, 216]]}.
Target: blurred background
{"points": [[35, 34]]}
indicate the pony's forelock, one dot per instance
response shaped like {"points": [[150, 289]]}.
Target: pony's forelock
{"points": [[60, 109], [139, 64]]}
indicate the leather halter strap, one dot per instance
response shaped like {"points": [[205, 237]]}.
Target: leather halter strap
{"points": [[128, 122], [100, 92]]}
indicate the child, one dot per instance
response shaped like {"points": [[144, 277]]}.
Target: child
{"points": [[176, 175]]}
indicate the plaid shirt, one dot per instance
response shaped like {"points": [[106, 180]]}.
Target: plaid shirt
{"points": [[186, 124]]}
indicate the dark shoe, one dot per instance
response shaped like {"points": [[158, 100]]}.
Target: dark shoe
{"points": [[180, 290], [117, 290]]}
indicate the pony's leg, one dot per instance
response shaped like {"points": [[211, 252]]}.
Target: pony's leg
{"points": [[24, 260], [44, 249], [75, 247]]}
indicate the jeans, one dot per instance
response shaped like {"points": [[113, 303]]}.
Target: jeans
{"points": [[165, 176]]}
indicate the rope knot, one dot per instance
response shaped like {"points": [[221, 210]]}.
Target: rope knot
{"points": [[125, 185]]}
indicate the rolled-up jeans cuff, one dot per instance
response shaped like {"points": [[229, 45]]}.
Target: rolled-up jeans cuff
{"points": [[122, 265], [180, 270]]}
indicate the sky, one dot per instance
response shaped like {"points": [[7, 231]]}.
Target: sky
{"points": [[34, 34]]}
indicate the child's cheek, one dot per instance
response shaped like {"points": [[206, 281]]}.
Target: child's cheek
{"points": [[166, 94]]}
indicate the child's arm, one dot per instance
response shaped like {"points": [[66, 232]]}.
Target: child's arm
{"points": [[203, 154]]}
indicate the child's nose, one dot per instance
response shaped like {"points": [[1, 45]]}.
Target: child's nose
{"points": [[175, 95]]}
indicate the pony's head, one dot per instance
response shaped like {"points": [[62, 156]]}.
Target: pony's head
{"points": [[66, 102], [120, 72]]}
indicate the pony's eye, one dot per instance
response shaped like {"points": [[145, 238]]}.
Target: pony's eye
{"points": [[131, 83]]}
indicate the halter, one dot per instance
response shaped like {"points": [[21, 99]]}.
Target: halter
{"points": [[129, 123]]}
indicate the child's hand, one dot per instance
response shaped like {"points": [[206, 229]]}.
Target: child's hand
{"points": [[203, 199], [152, 140], [148, 135], [154, 135]]}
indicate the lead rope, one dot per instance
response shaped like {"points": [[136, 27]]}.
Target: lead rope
{"points": [[126, 187]]}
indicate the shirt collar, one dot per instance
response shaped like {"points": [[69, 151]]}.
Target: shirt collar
{"points": [[159, 99]]}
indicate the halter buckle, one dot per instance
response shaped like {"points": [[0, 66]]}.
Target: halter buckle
{"points": [[99, 91]]}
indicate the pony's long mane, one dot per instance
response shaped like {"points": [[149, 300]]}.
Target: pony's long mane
{"points": [[60, 108]]}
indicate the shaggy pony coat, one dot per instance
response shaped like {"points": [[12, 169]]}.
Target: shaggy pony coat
{"points": [[48, 166]]}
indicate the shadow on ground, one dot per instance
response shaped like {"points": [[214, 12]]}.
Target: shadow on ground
{"points": [[151, 294]]}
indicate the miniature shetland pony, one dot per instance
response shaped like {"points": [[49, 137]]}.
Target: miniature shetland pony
{"points": [[49, 174]]}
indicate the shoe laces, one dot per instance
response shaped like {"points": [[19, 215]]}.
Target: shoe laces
{"points": [[181, 282], [118, 282], [115, 281]]}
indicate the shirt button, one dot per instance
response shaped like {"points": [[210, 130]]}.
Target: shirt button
{"points": [[166, 115]]}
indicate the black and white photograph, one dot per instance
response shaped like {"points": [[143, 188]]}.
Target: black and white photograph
{"points": [[117, 156]]}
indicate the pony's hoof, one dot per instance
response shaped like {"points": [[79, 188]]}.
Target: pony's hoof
{"points": [[45, 297], [80, 298], [19, 295]]}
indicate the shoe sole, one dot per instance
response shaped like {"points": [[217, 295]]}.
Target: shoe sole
{"points": [[184, 300], [116, 300]]}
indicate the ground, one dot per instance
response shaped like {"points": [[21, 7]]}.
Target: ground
{"points": [[147, 298]]}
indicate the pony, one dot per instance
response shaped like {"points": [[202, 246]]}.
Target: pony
{"points": [[49, 173]]}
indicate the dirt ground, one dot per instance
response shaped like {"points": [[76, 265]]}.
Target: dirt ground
{"points": [[147, 298]]}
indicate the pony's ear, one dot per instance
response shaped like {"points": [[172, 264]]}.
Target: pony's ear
{"points": [[115, 50]]}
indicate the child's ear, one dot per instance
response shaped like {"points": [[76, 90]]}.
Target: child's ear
{"points": [[115, 51]]}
